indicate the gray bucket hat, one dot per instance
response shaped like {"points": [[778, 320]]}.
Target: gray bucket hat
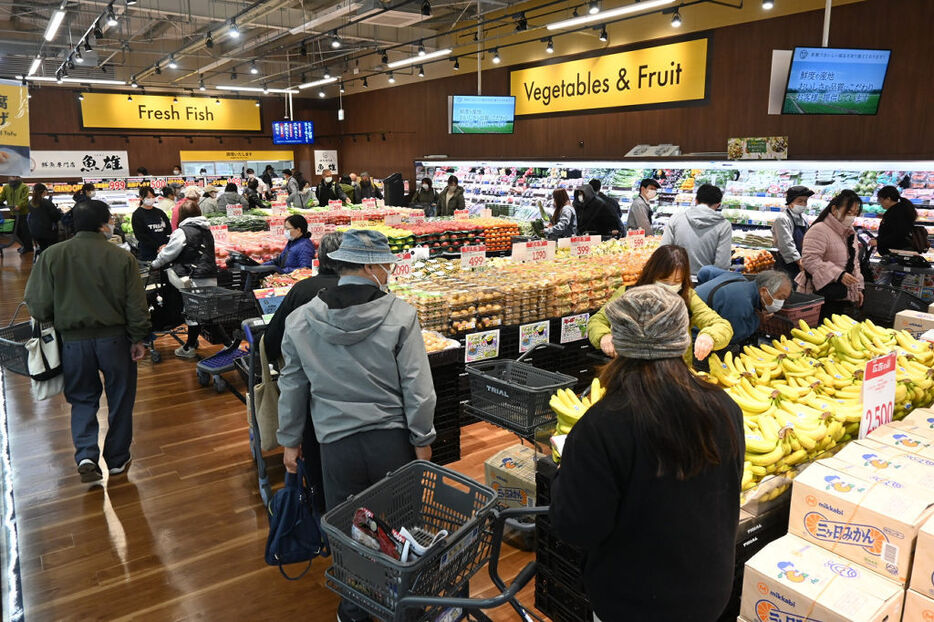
{"points": [[362, 246], [649, 322]]}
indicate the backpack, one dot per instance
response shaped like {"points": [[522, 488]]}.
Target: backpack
{"points": [[919, 239]]}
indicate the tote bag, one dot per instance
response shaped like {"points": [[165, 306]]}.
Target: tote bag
{"points": [[44, 362]]}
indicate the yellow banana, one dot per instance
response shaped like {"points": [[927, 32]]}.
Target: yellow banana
{"points": [[768, 459]]}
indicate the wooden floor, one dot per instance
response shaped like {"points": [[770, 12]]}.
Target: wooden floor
{"points": [[182, 536]]}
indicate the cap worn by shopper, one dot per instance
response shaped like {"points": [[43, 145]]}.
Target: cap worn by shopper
{"points": [[797, 191], [362, 246], [649, 322]]}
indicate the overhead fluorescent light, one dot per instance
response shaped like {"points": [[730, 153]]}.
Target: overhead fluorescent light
{"points": [[638, 7], [254, 89], [308, 85], [54, 23], [72, 80], [36, 63], [419, 59]]}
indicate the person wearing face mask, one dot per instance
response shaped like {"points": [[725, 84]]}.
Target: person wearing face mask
{"points": [[151, 226], [670, 268], [176, 170], [367, 189], [898, 221], [231, 198], [16, 195], [789, 228], [425, 198], [384, 417], [829, 265], [299, 251], [261, 186], [329, 190], [451, 198], [563, 220], [741, 302], [91, 291], [640, 210], [267, 176], [208, 201], [594, 215], [43, 218], [303, 198]]}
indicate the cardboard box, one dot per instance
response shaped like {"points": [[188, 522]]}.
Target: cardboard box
{"points": [[918, 608], [905, 437], [915, 322], [931, 308], [793, 580], [923, 418], [864, 521], [880, 463], [922, 571], [511, 473]]}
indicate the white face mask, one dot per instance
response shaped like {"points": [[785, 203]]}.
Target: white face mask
{"points": [[775, 306], [383, 286], [108, 231], [327, 180], [149, 202], [848, 221], [798, 209], [425, 186], [651, 194], [91, 194], [176, 172], [673, 288]]}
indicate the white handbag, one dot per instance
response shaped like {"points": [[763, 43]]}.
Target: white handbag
{"points": [[44, 362]]}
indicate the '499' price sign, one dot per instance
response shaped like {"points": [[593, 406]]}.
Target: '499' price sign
{"points": [[878, 393], [473, 257]]}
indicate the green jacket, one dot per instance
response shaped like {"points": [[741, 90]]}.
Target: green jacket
{"points": [[703, 318], [18, 199], [89, 288]]}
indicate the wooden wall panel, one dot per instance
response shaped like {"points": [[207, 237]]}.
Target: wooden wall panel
{"points": [[415, 116]]}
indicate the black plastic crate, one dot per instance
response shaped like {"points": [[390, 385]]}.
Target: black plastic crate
{"points": [[559, 602]]}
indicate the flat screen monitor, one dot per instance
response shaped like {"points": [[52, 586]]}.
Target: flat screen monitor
{"points": [[293, 132], [835, 81], [482, 114]]}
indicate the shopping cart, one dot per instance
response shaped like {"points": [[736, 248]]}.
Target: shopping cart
{"points": [[165, 308], [219, 312], [13, 337], [253, 330], [425, 499]]}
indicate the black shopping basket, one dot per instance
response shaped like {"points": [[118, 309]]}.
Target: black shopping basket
{"points": [[514, 395], [13, 338], [424, 498], [881, 303]]}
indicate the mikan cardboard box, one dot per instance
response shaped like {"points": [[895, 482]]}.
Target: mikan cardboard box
{"points": [[905, 437], [923, 418], [915, 322], [880, 462], [511, 473], [922, 572], [918, 608], [792, 580], [866, 522]]}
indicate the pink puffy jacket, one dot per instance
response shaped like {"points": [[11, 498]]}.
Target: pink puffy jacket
{"points": [[823, 255]]}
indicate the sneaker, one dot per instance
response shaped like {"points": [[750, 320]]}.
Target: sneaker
{"points": [[89, 471], [122, 468], [184, 352]]}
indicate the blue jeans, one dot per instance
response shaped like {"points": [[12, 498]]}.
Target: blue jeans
{"points": [[82, 362]]}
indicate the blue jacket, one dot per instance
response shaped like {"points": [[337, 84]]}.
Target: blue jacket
{"points": [[737, 303], [296, 254]]}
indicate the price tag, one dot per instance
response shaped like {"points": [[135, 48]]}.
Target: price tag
{"points": [[582, 246], [277, 226], [878, 393], [461, 213], [316, 229], [486, 213], [380, 203], [220, 234], [539, 250], [369, 203], [315, 265], [358, 222], [636, 238], [403, 267], [335, 204], [278, 209], [415, 219], [234, 211], [473, 257], [117, 184], [393, 220]]}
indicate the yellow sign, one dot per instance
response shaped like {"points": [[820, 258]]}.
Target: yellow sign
{"points": [[676, 72], [14, 129], [158, 112], [218, 156]]}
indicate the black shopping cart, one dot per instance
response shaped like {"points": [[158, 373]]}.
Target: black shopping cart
{"points": [[13, 337], [249, 367], [426, 500], [165, 308]]}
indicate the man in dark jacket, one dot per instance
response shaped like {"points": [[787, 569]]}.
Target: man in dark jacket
{"points": [[741, 302], [329, 190], [613, 203], [368, 189], [593, 215], [91, 291]]}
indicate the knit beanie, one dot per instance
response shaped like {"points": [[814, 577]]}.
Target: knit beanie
{"points": [[649, 322]]}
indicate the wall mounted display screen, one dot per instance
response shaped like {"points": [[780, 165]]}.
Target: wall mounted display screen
{"points": [[293, 132], [475, 114], [835, 81]]}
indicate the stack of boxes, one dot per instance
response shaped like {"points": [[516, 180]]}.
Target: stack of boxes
{"points": [[861, 535]]}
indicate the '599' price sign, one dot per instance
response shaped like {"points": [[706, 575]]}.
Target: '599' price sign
{"points": [[878, 393]]}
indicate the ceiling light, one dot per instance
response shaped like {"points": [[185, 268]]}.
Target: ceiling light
{"points": [[327, 73], [175, 99], [594, 7], [342, 87], [676, 20], [265, 88], [385, 58], [129, 98], [417, 59], [62, 77], [218, 101], [308, 85], [157, 69], [130, 2], [335, 41], [421, 71], [639, 7], [209, 42], [254, 89], [549, 46], [522, 23], [603, 35], [365, 85], [54, 23], [421, 49], [496, 58], [768, 4], [201, 86], [426, 8], [321, 93], [98, 33], [133, 82], [70, 64], [59, 78], [233, 73], [80, 97], [172, 63], [234, 31], [253, 68], [457, 64], [257, 103], [78, 57], [303, 49], [36, 63], [111, 16], [392, 78], [87, 45]]}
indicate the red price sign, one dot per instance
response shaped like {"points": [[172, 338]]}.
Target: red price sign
{"points": [[117, 184], [539, 250], [220, 234], [369, 203], [403, 267], [316, 229], [461, 213], [878, 393], [278, 209], [473, 257], [157, 184], [234, 211], [582, 246], [277, 226], [315, 264], [335, 204]]}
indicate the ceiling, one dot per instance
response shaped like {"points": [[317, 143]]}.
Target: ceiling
{"points": [[292, 42]]}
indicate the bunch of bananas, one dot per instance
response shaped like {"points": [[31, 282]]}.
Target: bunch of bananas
{"points": [[801, 396], [571, 408]]}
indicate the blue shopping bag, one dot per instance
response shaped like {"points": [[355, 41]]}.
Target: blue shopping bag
{"points": [[295, 533]]}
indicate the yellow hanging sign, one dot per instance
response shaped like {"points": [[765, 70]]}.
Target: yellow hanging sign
{"points": [[675, 72], [14, 129], [236, 155], [159, 112]]}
